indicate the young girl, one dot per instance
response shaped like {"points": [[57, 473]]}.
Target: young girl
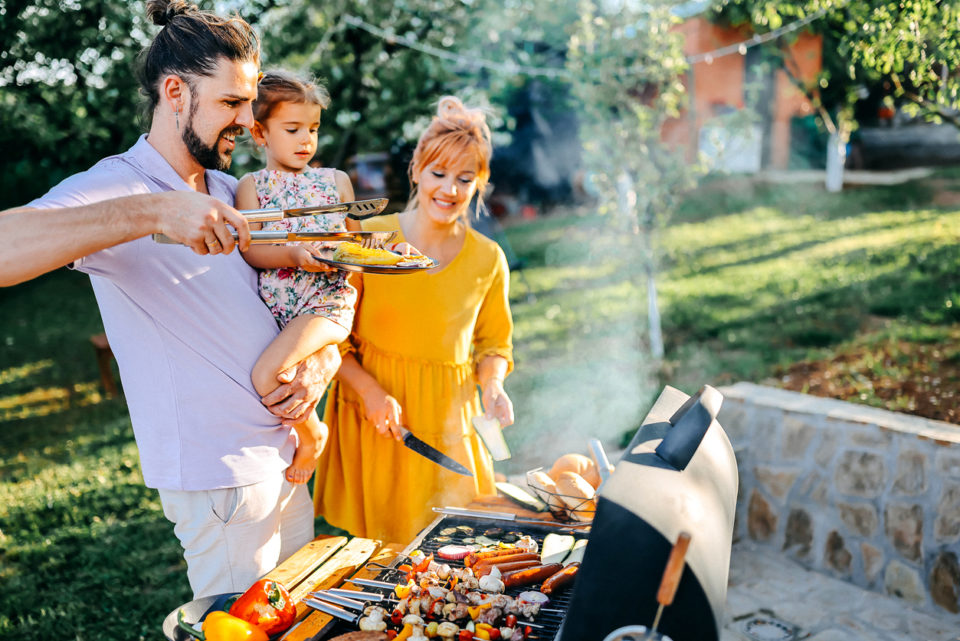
{"points": [[313, 303]]}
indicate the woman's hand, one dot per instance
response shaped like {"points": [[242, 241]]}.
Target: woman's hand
{"points": [[405, 249], [384, 412], [496, 402]]}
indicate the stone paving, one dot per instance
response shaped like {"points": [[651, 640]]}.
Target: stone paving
{"points": [[816, 607]]}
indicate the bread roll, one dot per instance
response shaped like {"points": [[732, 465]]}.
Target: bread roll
{"points": [[545, 488], [577, 495], [578, 464]]}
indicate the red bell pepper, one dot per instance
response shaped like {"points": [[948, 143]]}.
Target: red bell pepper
{"points": [[267, 605]]}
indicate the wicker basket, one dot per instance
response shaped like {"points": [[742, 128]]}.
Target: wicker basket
{"points": [[562, 506]]}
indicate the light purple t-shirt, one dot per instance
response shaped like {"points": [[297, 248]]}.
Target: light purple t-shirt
{"points": [[186, 331]]}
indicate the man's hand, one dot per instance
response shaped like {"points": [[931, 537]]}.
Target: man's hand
{"points": [[302, 386], [200, 222]]}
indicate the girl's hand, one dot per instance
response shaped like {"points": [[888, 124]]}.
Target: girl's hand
{"points": [[496, 402], [384, 412], [302, 258]]}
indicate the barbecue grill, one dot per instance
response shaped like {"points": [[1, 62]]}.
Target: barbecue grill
{"points": [[430, 540], [678, 474]]}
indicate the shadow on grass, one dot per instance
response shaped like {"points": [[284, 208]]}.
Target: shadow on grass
{"points": [[692, 259]]}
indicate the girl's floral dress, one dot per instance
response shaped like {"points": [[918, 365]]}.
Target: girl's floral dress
{"points": [[290, 292]]}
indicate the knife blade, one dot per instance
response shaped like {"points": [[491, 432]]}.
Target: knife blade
{"points": [[432, 453]]}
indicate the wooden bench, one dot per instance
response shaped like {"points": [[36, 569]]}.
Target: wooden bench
{"points": [[101, 346]]}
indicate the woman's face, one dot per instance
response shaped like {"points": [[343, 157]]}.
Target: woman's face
{"points": [[446, 187]]}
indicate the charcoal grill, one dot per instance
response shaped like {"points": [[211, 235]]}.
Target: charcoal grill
{"points": [[550, 617]]}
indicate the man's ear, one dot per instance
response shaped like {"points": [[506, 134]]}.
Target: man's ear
{"points": [[174, 91]]}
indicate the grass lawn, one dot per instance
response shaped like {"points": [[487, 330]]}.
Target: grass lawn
{"points": [[854, 295]]}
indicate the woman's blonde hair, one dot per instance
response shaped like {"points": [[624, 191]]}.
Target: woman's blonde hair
{"points": [[455, 130]]}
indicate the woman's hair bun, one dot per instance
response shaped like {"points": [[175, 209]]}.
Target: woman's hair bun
{"points": [[451, 108], [161, 12]]}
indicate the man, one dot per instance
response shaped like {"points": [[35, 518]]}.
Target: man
{"points": [[185, 322]]}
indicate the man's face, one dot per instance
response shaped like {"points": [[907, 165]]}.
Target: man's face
{"points": [[220, 109]]}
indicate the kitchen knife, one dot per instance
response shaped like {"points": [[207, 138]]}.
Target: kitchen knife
{"points": [[432, 453]]}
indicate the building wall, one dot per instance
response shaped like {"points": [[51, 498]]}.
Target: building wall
{"points": [[718, 85], [863, 494]]}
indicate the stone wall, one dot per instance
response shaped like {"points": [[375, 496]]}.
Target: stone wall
{"points": [[863, 494]]}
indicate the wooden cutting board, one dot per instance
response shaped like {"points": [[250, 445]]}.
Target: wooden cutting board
{"points": [[344, 564]]}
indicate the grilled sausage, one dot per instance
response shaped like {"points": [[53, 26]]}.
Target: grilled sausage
{"points": [[530, 575], [561, 579], [509, 558], [484, 570], [471, 559]]}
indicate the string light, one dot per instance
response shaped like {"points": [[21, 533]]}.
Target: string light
{"points": [[512, 68]]}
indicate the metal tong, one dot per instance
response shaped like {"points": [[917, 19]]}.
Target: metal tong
{"points": [[356, 210]]}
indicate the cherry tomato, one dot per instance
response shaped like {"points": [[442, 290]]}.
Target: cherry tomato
{"points": [[465, 635], [511, 621]]}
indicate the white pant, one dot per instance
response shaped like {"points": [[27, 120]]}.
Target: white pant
{"points": [[232, 537]]}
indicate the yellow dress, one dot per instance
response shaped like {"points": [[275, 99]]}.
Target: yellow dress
{"points": [[421, 337]]}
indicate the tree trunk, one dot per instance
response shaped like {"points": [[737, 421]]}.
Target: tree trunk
{"points": [[653, 313], [836, 158]]}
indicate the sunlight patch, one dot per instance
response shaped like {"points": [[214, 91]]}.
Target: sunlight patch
{"points": [[12, 374], [44, 401]]}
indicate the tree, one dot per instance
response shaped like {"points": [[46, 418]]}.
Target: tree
{"points": [[910, 46], [627, 65], [67, 94]]}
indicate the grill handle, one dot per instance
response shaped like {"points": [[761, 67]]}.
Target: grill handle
{"points": [[689, 425]]}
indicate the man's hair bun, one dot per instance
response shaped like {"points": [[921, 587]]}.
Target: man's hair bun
{"points": [[161, 12]]}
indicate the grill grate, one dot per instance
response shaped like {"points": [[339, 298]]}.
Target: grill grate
{"points": [[428, 543]]}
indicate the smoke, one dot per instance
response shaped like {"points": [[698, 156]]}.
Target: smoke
{"points": [[582, 365]]}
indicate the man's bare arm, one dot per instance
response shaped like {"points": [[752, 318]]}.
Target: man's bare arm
{"points": [[37, 241]]}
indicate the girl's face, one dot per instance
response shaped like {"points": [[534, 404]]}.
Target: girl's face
{"points": [[289, 135], [445, 188]]}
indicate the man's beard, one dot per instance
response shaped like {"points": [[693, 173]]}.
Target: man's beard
{"points": [[208, 156]]}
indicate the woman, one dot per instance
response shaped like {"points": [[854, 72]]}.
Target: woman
{"points": [[420, 345]]}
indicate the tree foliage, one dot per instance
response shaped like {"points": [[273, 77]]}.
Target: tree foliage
{"points": [[67, 94], [910, 46]]}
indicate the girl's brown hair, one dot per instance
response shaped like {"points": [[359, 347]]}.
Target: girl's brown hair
{"points": [[191, 42], [455, 130], [278, 86]]}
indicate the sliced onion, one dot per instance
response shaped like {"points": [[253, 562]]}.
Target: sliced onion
{"points": [[532, 596], [454, 552], [437, 592]]}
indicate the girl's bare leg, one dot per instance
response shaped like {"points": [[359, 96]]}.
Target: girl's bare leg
{"points": [[301, 337]]}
